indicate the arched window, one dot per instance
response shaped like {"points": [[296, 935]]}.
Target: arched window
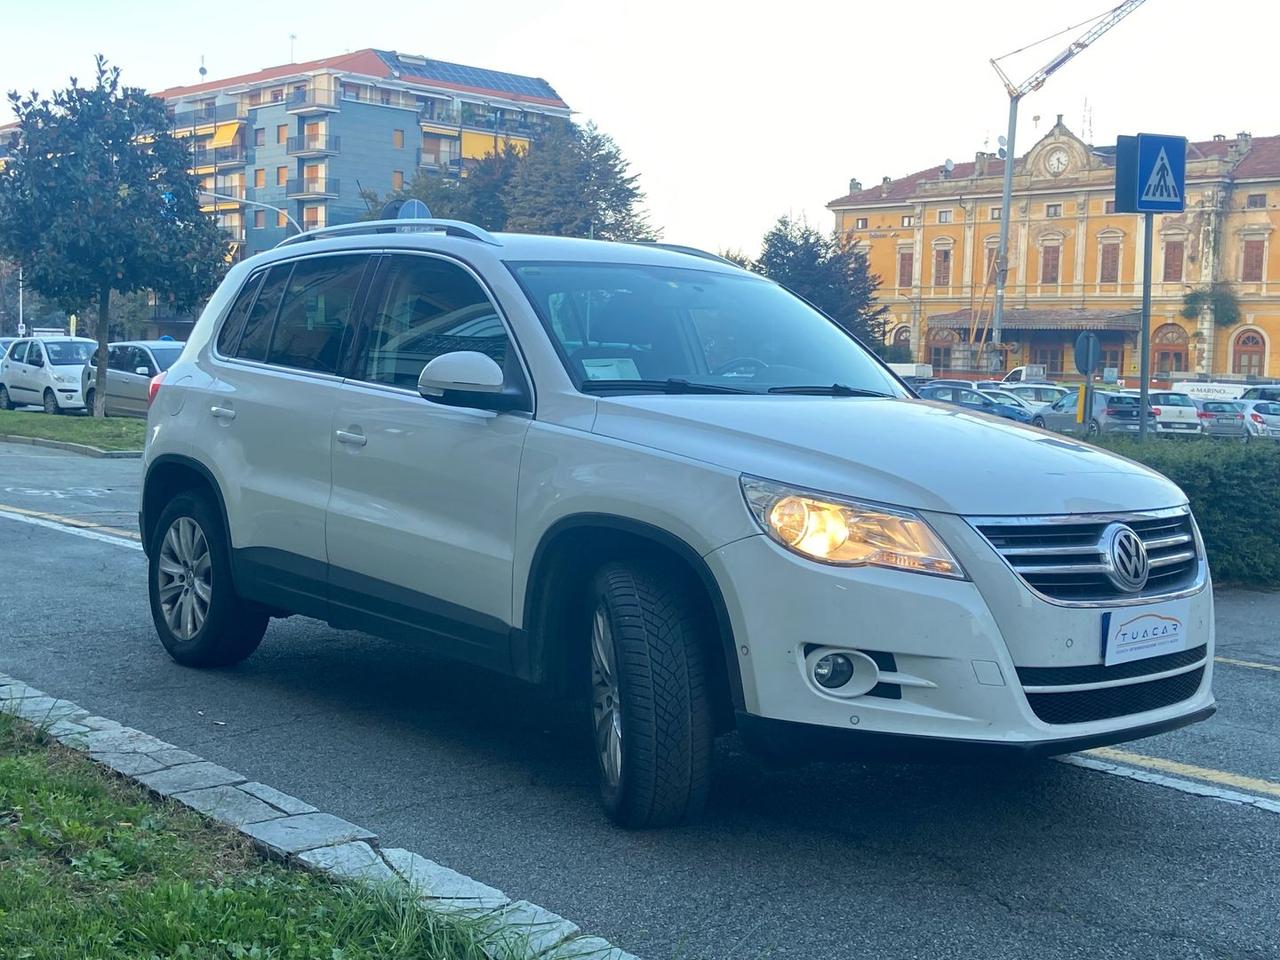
{"points": [[902, 336], [941, 340], [1249, 353], [1169, 349]]}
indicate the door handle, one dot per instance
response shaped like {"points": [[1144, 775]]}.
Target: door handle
{"points": [[355, 439], [222, 413]]}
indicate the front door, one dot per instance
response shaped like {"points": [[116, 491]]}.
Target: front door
{"points": [[270, 422], [15, 372], [422, 519]]}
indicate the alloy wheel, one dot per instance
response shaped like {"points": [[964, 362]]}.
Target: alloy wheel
{"points": [[605, 705], [185, 578]]}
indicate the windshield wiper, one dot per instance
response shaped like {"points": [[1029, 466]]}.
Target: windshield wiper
{"points": [[670, 385], [834, 390]]}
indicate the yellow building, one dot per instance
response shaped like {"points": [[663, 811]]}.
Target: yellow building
{"points": [[1075, 264]]}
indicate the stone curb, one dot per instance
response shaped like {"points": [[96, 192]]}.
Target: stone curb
{"points": [[288, 829], [81, 448]]}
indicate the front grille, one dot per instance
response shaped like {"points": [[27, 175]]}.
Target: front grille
{"points": [[1063, 558], [1084, 706], [1098, 673]]}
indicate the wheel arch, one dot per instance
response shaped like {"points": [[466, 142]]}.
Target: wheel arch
{"points": [[168, 475], [567, 554]]}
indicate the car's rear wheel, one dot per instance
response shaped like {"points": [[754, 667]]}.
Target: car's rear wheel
{"points": [[200, 618], [6, 402], [50, 402], [1094, 428], [90, 399], [650, 704]]}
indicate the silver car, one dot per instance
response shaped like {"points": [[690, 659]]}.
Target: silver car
{"points": [[1262, 418], [1223, 419], [1037, 394], [130, 366], [1111, 413]]}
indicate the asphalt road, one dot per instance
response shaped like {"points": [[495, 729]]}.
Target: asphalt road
{"points": [[827, 861]]}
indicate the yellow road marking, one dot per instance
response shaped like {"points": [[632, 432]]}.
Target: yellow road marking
{"points": [[72, 522], [1248, 663], [1221, 777]]}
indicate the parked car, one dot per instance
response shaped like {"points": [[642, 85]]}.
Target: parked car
{"points": [[651, 481], [44, 371], [1011, 399], [1223, 419], [949, 382], [1111, 413], [973, 400], [1175, 413], [1031, 373], [1040, 394], [1271, 393], [130, 367], [1262, 418]]}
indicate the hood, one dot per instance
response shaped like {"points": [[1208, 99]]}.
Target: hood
{"points": [[911, 453]]}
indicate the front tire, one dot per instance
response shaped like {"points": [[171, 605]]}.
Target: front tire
{"points": [[201, 620], [650, 703], [6, 402], [1094, 429], [1038, 422], [50, 403]]}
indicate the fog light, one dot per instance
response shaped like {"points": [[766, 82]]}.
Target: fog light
{"points": [[832, 671]]}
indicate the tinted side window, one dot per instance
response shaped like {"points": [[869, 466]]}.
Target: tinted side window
{"points": [[18, 353], [257, 326], [428, 307], [316, 313], [116, 358], [234, 323]]}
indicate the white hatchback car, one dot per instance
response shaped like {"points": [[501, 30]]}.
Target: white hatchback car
{"points": [[44, 371], [662, 485]]}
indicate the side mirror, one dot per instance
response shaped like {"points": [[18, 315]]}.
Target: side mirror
{"points": [[142, 371], [467, 378]]}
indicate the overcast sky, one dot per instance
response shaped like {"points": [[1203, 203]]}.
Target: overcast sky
{"points": [[733, 113]]}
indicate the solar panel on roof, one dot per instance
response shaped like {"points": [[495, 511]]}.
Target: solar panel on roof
{"points": [[465, 76]]}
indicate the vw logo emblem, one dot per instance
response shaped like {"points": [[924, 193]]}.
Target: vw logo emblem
{"points": [[1126, 558]]}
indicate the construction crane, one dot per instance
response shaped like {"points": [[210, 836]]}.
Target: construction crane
{"points": [[1101, 24]]}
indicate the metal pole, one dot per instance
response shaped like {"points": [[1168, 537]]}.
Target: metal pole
{"points": [[21, 325], [253, 203], [1006, 201], [1144, 335]]}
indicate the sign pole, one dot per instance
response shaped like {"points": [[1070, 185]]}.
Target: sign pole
{"points": [[1144, 335]]}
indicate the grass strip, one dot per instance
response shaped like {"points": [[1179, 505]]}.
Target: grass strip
{"points": [[113, 433], [92, 868]]}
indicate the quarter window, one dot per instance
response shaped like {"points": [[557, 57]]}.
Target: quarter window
{"points": [[316, 313], [231, 327], [428, 307], [257, 326]]}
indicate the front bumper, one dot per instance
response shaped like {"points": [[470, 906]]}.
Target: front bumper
{"points": [[949, 653], [68, 397]]}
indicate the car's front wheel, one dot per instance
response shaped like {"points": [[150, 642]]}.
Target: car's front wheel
{"points": [[1038, 422], [6, 401], [200, 618], [1094, 428], [650, 704], [50, 402]]}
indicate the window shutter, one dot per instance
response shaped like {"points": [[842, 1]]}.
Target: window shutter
{"points": [[905, 264], [1110, 263], [1049, 264], [1173, 250], [1252, 271], [942, 268]]}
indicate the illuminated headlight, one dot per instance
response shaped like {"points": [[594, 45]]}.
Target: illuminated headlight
{"points": [[841, 531]]}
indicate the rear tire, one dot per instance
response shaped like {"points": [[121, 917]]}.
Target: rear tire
{"points": [[6, 402], [89, 399], [651, 708], [1094, 429], [50, 403], [201, 620]]}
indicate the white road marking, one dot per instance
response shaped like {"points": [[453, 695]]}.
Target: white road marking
{"points": [[1173, 783], [76, 531]]}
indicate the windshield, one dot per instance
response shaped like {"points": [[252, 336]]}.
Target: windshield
{"points": [[67, 352], [165, 356], [615, 323], [1173, 400]]}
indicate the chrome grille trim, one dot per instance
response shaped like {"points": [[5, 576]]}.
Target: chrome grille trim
{"points": [[1059, 557]]}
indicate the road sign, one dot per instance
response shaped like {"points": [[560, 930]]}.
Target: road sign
{"points": [[1088, 352], [22, 329], [1151, 173]]}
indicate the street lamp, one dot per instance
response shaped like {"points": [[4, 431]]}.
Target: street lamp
{"points": [[253, 203]]}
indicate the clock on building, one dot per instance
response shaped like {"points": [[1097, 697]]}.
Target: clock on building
{"points": [[1056, 162]]}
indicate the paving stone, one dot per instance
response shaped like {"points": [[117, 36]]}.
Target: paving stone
{"points": [[45, 709], [101, 723], [65, 728], [586, 948], [351, 861], [281, 801], [17, 690], [189, 776], [173, 756], [228, 804], [129, 764], [429, 879], [124, 740], [304, 832], [523, 929]]}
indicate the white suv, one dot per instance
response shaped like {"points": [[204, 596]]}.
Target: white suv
{"points": [[655, 482]]}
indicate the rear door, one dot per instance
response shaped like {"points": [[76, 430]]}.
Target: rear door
{"points": [[270, 422]]}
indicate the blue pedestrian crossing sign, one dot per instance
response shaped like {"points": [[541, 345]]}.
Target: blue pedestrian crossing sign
{"points": [[1151, 174]]}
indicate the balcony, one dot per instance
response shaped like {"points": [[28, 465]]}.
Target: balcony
{"points": [[199, 116], [232, 234], [311, 101], [308, 187], [229, 156], [440, 117], [313, 145]]}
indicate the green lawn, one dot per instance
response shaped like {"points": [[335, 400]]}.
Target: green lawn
{"points": [[91, 868], [115, 433]]}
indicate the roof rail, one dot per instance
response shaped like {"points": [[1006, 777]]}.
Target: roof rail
{"points": [[691, 251], [452, 228]]}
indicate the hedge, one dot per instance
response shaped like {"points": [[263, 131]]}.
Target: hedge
{"points": [[1234, 490]]}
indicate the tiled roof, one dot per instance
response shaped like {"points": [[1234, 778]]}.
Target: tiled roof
{"points": [[395, 66], [1262, 159], [1048, 319]]}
